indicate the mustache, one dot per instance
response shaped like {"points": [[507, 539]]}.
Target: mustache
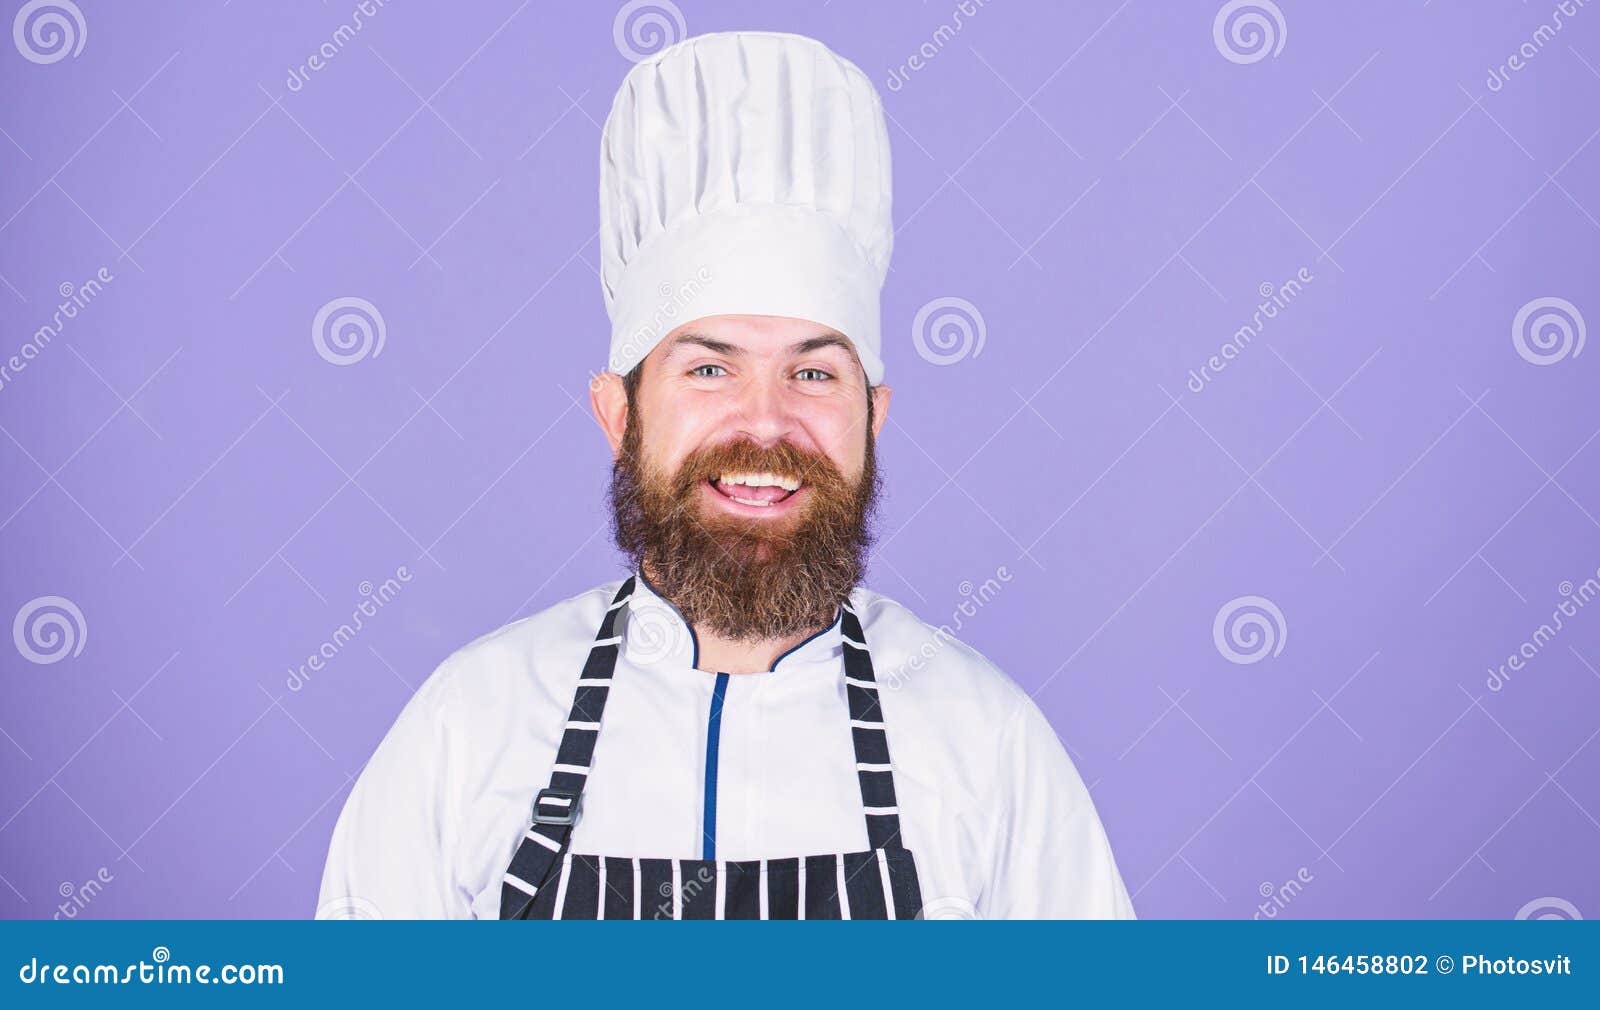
{"points": [[746, 456]]}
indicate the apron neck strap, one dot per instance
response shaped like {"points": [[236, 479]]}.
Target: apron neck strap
{"points": [[555, 809], [873, 768]]}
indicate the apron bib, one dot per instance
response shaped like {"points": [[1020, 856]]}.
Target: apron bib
{"points": [[548, 881]]}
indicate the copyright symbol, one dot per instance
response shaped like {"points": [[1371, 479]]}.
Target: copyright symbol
{"points": [[1445, 964]]}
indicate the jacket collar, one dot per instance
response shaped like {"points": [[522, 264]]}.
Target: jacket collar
{"points": [[656, 634]]}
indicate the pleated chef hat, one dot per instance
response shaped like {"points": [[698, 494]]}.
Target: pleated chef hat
{"points": [[744, 173]]}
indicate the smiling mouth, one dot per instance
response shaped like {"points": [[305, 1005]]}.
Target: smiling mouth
{"points": [[761, 490]]}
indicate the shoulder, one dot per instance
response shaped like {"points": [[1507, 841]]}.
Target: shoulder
{"points": [[917, 660], [961, 728], [575, 617], [529, 658]]}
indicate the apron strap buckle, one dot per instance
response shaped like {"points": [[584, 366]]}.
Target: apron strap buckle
{"points": [[555, 806]]}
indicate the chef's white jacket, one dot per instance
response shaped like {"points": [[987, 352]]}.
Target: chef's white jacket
{"points": [[997, 817]]}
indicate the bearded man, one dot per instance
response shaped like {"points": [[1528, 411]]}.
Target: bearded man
{"points": [[738, 728]]}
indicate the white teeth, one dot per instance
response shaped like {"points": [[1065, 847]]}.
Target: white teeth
{"points": [[749, 501], [760, 480]]}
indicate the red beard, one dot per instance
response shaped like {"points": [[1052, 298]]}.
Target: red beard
{"points": [[745, 578]]}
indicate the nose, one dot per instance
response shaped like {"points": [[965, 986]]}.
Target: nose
{"points": [[763, 411]]}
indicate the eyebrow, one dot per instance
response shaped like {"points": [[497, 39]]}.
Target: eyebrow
{"points": [[802, 347], [715, 346], [826, 340]]}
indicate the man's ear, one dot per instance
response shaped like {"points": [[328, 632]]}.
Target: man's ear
{"points": [[880, 408], [609, 399]]}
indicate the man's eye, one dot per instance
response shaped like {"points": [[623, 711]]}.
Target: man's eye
{"points": [[812, 375], [707, 371]]}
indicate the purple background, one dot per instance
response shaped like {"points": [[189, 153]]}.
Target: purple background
{"points": [[1097, 179]]}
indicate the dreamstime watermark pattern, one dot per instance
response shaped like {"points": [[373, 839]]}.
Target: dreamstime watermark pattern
{"points": [[49, 31], [341, 37], [348, 907], [74, 298], [80, 896], [1249, 629], [1249, 31], [973, 599], [49, 629], [1274, 299], [348, 330], [1573, 599], [1277, 897], [373, 599], [654, 633], [1548, 330], [1549, 908], [674, 298], [676, 893], [948, 330], [948, 908], [643, 28], [925, 53], [1541, 37]]}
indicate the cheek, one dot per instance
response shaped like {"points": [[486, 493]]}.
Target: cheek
{"points": [[844, 441], [673, 431]]}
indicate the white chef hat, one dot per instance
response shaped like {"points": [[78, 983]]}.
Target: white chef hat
{"points": [[744, 173]]}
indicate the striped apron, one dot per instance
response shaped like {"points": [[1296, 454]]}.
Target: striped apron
{"points": [[546, 880]]}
